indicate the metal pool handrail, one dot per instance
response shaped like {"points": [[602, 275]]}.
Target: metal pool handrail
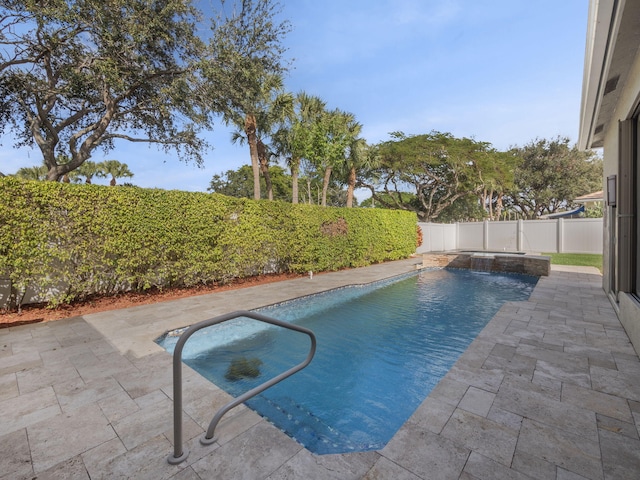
{"points": [[180, 453]]}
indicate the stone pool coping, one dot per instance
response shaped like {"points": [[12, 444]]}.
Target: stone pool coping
{"points": [[549, 389]]}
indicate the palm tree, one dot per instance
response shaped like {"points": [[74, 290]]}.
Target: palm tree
{"points": [[332, 139], [357, 159], [280, 141], [87, 171], [264, 153], [293, 138], [36, 173], [33, 173], [113, 168], [255, 119]]}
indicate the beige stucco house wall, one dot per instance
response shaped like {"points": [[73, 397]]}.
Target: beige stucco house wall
{"points": [[610, 119]]}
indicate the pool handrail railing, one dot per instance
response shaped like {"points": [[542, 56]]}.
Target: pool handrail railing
{"points": [[181, 453]]}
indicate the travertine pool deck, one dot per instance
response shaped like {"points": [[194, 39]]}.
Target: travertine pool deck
{"points": [[550, 389]]}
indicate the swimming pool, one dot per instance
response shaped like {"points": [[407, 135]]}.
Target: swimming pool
{"points": [[381, 350]]}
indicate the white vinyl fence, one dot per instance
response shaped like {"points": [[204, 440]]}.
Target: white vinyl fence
{"points": [[576, 235]]}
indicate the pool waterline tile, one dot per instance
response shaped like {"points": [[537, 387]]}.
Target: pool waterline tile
{"points": [[403, 329]]}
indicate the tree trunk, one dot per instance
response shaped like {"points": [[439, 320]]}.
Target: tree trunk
{"points": [[295, 168], [351, 186], [491, 205], [264, 168], [483, 199], [325, 185], [252, 140], [499, 206]]}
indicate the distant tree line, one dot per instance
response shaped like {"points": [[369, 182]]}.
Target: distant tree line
{"points": [[443, 178], [112, 169], [239, 183]]}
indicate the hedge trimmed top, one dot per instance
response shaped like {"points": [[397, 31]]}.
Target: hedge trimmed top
{"points": [[65, 241]]}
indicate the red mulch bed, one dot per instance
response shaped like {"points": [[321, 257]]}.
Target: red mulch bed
{"points": [[40, 313]]}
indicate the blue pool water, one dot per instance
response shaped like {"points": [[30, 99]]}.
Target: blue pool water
{"points": [[381, 349]]}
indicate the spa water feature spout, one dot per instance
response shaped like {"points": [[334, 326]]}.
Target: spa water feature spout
{"points": [[482, 262]]}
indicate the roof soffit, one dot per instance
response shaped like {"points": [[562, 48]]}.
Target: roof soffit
{"points": [[612, 45]]}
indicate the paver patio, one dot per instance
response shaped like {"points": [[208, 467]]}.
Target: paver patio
{"points": [[550, 389]]}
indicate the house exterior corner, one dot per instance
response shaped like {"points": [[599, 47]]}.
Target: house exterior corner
{"points": [[610, 119]]}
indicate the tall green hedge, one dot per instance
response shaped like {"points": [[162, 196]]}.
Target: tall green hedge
{"points": [[68, 241]]}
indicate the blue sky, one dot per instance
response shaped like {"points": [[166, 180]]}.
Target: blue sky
{"points": [[501, 71]]}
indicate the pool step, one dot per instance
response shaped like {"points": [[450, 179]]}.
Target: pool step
{"points": [[302, 425]]}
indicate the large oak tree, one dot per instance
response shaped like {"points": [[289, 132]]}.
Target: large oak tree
{"points": [[425, 173], [551, 174], [77, 75]]}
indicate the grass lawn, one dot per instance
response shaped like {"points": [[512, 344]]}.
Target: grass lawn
{"points": [[578, 259]]}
